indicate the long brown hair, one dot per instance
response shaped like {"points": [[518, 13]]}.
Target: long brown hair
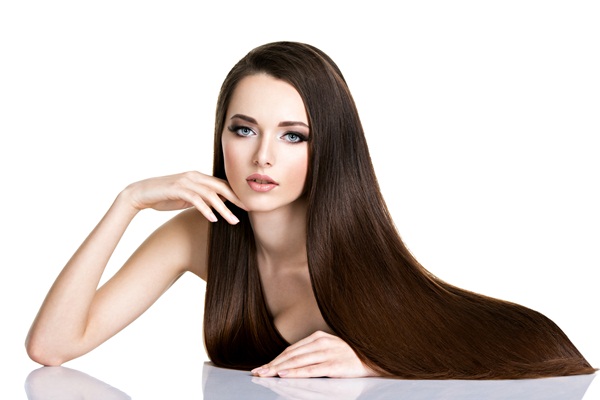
{"points": [[399, 318]]}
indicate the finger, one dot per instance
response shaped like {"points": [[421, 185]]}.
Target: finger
{"points": [[270, 368], [301, 357], [314, 342], [302, 346], [204, 197], [215, 202], [320, 355], [309, 371], [220, 186], [331, 368], [196, 200], [228, 193], [300, 362]]}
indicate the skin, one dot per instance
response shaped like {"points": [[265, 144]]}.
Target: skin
{"points": [[265, 132]]}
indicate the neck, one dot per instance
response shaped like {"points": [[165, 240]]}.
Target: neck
{"points": [[281, 236]]}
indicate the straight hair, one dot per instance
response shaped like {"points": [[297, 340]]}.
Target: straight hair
{"points": [[399, 318]]}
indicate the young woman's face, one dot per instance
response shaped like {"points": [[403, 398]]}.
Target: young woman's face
{"points": [[265, 143]]}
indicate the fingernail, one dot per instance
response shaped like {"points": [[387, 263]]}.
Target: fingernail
{"points": [[234, 219], [212, 218], [261, 371], [283, 373]]}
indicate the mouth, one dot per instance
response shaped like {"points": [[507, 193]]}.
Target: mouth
{"points": [[261, 179], [261, 183]]}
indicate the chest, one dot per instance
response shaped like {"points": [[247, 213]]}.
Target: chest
{"points": [[292, 305]]}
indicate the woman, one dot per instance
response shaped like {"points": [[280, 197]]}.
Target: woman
{"points": [[306, 275]]}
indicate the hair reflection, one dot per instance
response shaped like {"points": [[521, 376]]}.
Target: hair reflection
{"points": [[68, 384], [220, 383]]}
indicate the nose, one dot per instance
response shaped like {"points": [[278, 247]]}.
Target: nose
{"points": [[264, 156]]}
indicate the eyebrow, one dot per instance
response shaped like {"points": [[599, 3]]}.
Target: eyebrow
{"points": [[282, 123]]}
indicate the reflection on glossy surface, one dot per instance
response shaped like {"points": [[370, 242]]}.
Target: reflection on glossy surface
{"points": [[54, 383], [219, 383]]}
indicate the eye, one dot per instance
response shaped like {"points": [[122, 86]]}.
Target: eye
{"points": [[242, 131], [294, 137]]}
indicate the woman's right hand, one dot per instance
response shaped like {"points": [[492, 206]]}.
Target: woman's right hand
{"points": [[184, 190]]}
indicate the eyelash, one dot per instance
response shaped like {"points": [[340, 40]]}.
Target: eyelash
{"points": [[235, 129], [301, 137]]}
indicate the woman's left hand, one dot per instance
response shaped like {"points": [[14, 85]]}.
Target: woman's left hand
{"points": [[318, 355]]}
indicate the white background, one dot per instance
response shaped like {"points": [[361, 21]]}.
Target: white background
{"points": [[483, 120]]}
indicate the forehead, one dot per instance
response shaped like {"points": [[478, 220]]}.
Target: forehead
{"points": [[267, 99]]}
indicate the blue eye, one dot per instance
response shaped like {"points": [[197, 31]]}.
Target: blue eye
{"points": [[242, 131], [294, 137]]}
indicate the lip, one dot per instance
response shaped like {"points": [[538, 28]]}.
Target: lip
{"points": [[261, 183]]}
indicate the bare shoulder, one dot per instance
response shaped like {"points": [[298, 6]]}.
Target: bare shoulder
{"points": [[185, 238]]}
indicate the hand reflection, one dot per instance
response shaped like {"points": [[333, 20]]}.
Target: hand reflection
{"points": [[561, 388], [315, 388], [47, 383]]}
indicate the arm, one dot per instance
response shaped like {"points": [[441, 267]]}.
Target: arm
{"points": [[76, 316]]}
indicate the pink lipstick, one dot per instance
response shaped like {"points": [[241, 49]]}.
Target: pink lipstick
{"points": [[261, 183]]}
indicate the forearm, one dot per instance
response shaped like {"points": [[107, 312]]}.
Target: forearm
{"points": [[76, 316], [62, 320]]}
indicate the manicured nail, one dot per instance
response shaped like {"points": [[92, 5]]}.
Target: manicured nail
{"points": [[212, 218], [283, 373], [234, 219]]}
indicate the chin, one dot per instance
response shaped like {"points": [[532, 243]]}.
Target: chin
{"points": [[259, 207], [266, 205]]}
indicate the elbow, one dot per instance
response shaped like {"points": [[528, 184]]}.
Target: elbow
{"points": [[41, 353]]}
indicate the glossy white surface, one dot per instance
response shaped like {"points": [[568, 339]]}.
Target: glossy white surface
{"points": [[50, 383]]}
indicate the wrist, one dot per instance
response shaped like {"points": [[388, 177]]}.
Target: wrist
{"points": [[126, 204]]}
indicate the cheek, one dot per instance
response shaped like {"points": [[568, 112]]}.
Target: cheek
{"points": [[299, 168], [229, 157]]}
